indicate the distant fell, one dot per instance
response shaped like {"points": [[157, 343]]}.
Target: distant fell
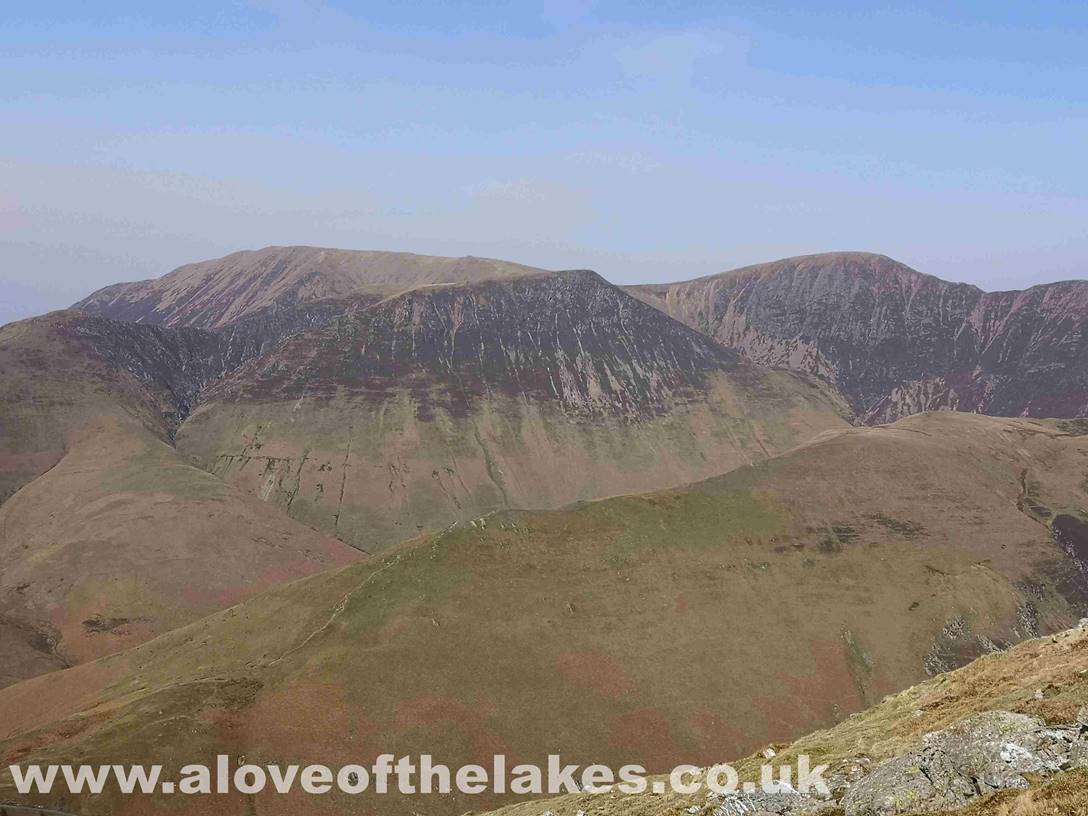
{"points": [[211, 294], [447, 402], [895, 341]]}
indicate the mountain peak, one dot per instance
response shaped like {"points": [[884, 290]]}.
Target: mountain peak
{"points": [[896, 341], [212, 294], [569, 337]]}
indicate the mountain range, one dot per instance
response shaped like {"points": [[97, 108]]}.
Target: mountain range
{"points": [[892, 340], [301, 503]]}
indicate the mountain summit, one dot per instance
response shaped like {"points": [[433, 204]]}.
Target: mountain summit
{"points": [[895, 341], [211, 294]]}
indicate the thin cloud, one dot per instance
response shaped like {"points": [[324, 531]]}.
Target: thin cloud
{"points": [[675, 58]]}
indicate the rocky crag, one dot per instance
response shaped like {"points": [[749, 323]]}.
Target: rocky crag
{"points": [[895, 341]]}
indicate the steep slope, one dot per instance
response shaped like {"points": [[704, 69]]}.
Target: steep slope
{"points": [[212, 294], [60, 371], [1045, 678], [107, 536], [895, 341], [448, 402], [688, 625], [123, 540]]}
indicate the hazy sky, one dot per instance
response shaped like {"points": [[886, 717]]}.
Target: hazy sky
{"points": [[648, 141]]}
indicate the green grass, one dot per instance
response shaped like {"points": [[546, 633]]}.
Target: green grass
{"points": [[685, 521], [686, 625]]}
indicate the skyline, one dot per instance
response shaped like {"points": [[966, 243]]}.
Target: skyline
{"points": [[647, 144]]}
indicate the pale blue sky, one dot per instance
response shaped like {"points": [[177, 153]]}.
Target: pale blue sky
{"points": [[650, 141]]}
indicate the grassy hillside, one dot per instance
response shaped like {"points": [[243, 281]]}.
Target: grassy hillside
{"points": [[447, 403], [52, 387], [689, 625], [1057, 666], [108, 536], [123, 540]]}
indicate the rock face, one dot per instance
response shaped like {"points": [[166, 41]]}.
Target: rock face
{"points": [[895, 341], [568, 338], [448, 402], [977, 756], [171, 363], [212, 294]]}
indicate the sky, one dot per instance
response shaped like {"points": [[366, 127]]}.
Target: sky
{"points": [[648, 141]]}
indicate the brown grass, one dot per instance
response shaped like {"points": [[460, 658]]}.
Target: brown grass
{"points": [[1065, 795], [562, 630]]}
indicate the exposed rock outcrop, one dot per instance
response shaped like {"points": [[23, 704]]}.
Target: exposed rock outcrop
{"points": [[980, 755], [896, 341], [779, 802]]}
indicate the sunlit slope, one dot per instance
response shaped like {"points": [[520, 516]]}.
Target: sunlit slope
{"points": [[123, 540], [1045, 678], [448, 402], [108, 536], [690, 625], [215, 293]]}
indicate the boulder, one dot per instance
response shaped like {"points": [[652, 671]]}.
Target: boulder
{"points": [[976, 756]]}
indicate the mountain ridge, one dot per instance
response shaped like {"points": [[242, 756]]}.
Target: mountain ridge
{"points": [[895, 340], [211, 294], [850, 253], [685, 625], [446, 402]]}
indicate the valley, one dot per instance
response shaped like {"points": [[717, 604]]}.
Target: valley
{"points": [[686, 625]]}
